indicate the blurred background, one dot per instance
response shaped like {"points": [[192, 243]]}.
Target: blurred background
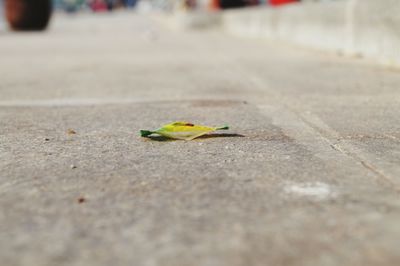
{"points": [[109, 5], [71, 6], [35, 15]]}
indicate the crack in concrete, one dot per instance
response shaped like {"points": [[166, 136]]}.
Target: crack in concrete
{"points": [[326, 133]]}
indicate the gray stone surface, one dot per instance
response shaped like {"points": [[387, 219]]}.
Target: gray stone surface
{"points": [[308, 174]]}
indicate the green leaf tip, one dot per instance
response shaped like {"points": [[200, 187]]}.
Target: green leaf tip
{"points": [[145, 133], [223, 128]]}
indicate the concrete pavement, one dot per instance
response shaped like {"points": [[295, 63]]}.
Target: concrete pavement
{"points": [[308, 174]]}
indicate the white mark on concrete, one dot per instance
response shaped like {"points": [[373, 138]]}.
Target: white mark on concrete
{"points": [[314, 190]]}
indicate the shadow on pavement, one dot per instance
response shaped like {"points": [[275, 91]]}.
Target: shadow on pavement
{"points": [[208, 136]]}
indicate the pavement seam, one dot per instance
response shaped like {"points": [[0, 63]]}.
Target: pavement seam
{"points": [[319, 128], [345, 148]]}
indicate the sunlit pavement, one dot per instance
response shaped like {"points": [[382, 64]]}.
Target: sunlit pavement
{"points": [[307, 175]]}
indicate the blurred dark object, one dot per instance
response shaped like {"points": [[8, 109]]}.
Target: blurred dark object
{"points": [[110, 4], [232, 3], [28, 15], [225, 4], [281, 2], [130, 3]]}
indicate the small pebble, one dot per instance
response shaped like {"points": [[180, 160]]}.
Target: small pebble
{"points": [[73, 166], [81, 200], [46, 139], [71, 132]]}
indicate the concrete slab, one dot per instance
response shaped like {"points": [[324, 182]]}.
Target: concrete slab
{"points": [[175, 202]]}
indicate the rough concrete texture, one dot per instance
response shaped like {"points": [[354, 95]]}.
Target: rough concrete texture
{"points": [[368, 28], [308, 174]]}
